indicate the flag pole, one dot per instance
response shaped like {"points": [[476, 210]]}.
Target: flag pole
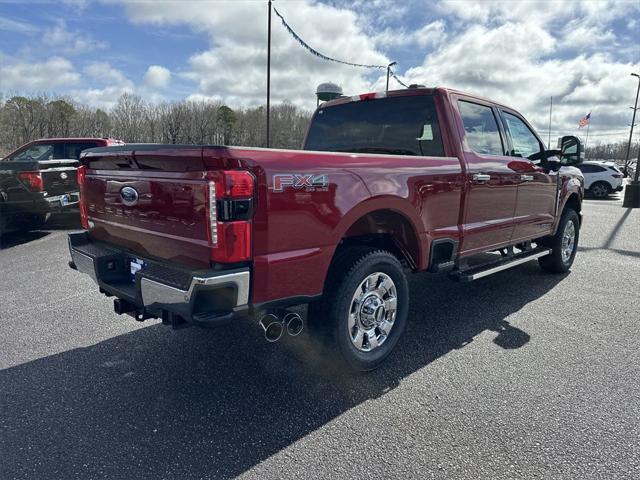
{"points": [[268, 73], [550, 110], [586, 141]]}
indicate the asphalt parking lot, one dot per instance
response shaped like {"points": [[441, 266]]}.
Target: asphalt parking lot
{"points": [[518, 375]]}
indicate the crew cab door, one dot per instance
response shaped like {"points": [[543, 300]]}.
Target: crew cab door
{"points": [[537, 189], [491, 185]]}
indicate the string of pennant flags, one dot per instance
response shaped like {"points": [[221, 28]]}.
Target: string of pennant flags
{"points": [[397, 79], [330, 59]]}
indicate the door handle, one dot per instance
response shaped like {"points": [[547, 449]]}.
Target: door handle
{"points": [[481, 177], [526, 178]]}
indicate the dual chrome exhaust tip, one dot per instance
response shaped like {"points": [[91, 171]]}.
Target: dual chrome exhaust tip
{"points": [[274, 327]]}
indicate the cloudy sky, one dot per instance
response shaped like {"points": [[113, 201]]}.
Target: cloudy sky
{"points": [[517, 52]]}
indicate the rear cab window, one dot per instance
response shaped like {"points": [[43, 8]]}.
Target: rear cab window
{"points": [[481, 131], [73, 150], [405, 125]]}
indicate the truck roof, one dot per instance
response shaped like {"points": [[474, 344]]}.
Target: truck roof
{"points": [[74, 139], [406, 92]]}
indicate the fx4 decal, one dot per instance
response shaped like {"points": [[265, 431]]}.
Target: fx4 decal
{"points": [[309, 182]]}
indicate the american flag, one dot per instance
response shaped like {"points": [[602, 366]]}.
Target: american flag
{"points": [[584, 121]]}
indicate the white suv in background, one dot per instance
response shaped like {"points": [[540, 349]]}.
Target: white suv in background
{"points": [[601, 178]]}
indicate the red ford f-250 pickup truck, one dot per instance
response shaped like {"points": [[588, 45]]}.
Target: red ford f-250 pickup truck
{"points": [[388, 183]]}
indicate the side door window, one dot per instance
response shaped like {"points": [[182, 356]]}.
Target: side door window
{"points": [[537, 190], [481, 131], [523, 140], [492, 186]]}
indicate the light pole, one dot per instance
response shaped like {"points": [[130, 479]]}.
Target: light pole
{"points": [[268, 73], [632, 125], [632, 191], [388, 72]]}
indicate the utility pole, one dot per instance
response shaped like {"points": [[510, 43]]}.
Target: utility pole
{"points": [[388, 72], [268, 75], [632, 191]]}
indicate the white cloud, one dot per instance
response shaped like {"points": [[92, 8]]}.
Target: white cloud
{"points": [[383, 11], [430, 34], [579, 34], [496, 63], [56, 72], [518, 52], [81, 4], [10, 25], [157, 77], [103, 73], [233, 68], [104, 98], [540, 12], [112, 83], [71, 43]]}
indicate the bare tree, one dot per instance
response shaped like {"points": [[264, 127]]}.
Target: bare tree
{"points": [[59, 115], [23, 119], [128, 116]]}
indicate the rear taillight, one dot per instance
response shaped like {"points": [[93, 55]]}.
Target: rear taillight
{"points": [[234, 242], [84, 214], [213, 214], [33, 180], [617, 175], [230, 210]]}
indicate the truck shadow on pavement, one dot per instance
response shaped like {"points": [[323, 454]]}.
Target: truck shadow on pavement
{"points": [[611, 238], [157, 403], [56, 222]]}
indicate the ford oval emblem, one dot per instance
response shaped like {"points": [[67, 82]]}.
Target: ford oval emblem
{"points": [[129, 196]]}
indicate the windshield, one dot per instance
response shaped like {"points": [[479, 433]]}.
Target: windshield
{"points": [[396, 125]]}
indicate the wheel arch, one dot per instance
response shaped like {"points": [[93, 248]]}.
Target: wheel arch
{"points": [[573, 199], [388, 225]]}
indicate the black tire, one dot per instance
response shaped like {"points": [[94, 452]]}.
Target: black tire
{"points": [[600, 190], [556, 261], [329, 317]]}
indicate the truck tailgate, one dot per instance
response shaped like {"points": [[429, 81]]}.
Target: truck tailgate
{"points": [[59, 176], [152, 205]]}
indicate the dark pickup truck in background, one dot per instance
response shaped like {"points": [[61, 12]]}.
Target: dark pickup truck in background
{"points": [[387, 184], [39, 178]]}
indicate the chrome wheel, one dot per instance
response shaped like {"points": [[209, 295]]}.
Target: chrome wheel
{"points": [[373, 311], [568, 241]]}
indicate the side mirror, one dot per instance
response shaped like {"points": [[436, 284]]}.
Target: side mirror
{"points": [[570, 150]]}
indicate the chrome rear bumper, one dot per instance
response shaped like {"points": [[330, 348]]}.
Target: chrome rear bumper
{"points": [[157, 288], [156, 293]]}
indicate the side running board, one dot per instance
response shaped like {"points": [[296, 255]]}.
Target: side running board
{"points": [[475, 273]]}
